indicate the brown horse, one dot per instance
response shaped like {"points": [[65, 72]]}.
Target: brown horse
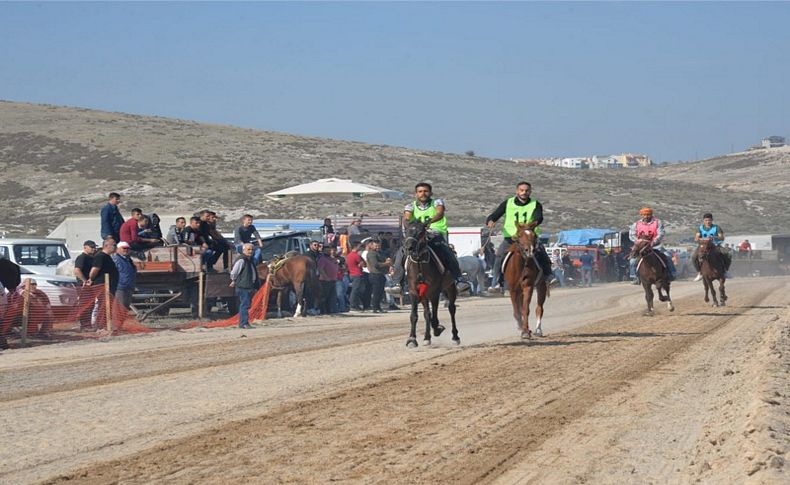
{"points": [[298, 273], [523, 276], [652, 272], [713, 267], [426, 284]]}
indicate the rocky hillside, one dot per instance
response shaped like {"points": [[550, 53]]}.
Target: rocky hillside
{"points": [[58, 161]]}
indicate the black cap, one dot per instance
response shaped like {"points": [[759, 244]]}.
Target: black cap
{"points": [[89, 243], [707, 215]]}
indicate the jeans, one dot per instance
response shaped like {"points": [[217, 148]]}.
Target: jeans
{"points": [[328, 297], [359, 286], [245, 299], [586, 277], [341, 289], [560, 275]]}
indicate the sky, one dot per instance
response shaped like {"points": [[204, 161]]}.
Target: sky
{"points": [[676, 81]]}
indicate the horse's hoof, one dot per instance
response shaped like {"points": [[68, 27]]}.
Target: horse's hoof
{"points": [[538, 332], [672, 308], [437, 330], [456, 341], [426, 343], [411, 343], [526, 334], [648, 314]]}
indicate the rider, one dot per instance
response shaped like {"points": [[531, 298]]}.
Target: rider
{"points": [[431, 212], [651, 229], [709, 230], [520, 208]]}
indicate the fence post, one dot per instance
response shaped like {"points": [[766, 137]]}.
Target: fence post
{"points": [[201, 294], [25, 311], [107, 302]]}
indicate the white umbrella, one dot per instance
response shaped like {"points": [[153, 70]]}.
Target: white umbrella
{"points": [[333, 186]]}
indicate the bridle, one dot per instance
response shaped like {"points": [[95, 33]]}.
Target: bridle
{"points": [[417, 252], [526, 252]]}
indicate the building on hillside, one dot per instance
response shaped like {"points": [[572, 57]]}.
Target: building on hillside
{"points": [[531, 161], [604, 161], [773, 141], [574, 162], [633, 160]]}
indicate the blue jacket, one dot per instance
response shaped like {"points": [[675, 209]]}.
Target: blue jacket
{"points": [[127, 272], [111, 221]]}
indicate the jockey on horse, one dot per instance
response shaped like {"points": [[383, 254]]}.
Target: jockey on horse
{"points": [[651, 229], [709, 230], [524, 210], [430, 212]]}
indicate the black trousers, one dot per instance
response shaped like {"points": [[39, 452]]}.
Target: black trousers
{"points": [[377, 281]]}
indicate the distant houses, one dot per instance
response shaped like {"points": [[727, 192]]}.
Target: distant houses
{"points": [[624, 160], [773, 142]]}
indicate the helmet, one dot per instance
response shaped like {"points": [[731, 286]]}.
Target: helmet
{"points": [[645, 211]]}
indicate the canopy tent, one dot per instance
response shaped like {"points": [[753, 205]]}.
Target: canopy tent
{"points": [[334, 186], [582, 237]]}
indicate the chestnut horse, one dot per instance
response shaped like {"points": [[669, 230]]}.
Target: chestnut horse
{"points": [[298, 273], [652, 272], [523, 276], [426, 283], [712, 266]]}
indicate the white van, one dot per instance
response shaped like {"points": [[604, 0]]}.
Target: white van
{"points": [[38, 256]]}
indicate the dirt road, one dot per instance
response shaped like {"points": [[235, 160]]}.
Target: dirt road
{"points": [[608, 396]]}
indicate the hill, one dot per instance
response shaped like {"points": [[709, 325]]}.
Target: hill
{"points": [[58, 161]]}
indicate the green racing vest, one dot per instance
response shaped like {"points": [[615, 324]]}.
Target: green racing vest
{"points": [[425, 215], [518, 214]]}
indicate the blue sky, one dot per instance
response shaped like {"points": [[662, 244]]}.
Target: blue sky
{"points": [[674, 80]]}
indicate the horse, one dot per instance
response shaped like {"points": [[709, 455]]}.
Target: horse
{"points": [[10, 275], [426, 283], [474, 269], [712, 266], [523, 276], [297, 273], [652, 272]]}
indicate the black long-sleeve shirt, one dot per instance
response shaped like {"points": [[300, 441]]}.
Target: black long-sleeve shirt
{"points": [[537, 215]]}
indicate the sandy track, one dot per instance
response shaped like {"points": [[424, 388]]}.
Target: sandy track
{"points": [[627, 399]]}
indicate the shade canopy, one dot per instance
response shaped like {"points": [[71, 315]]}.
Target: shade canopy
{"points": [[333, 186]]}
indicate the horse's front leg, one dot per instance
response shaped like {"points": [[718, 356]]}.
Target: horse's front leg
{"points": [[430, 307], [300, 303], [526, 299], [515, 301], [648, 297], [714, 299], [670, 305], [722, 294], [411, 342], [706, 284], [451, 296], [279, 303]]}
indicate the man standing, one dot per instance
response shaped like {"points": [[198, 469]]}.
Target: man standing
{"points": [[431, 212], [520, 209], [244, 278], [557, 267], [587, 268], [327, 276], [176, 233], [111, 219], [359, 278], [377, 268], [103, 264], [127, 275], [82, 268], [709, 230]]}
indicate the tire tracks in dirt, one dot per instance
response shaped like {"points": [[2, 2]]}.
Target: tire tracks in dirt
{"points": [[461, 417]]}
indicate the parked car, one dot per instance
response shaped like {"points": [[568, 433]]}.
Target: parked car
{"points": [[39, 256], [61, 290]]}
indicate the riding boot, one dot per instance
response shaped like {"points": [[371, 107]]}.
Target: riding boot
{"points": [[450, 262], [543, 259], [398, 269]]}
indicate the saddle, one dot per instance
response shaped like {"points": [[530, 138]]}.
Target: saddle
{"points": [[506, 260], [279, 260]]}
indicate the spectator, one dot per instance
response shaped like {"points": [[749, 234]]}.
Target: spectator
{"points": [[327, 276], [129, 228], [587, 267], [247, 233], [328, 232], [359, 278], [177, 233], [557, 267], [192, 235], [221, 245], [244, 278], [745, 249], [82, 268], [355, 228], [39, 310], [214, 244], [377, 267], [145, 238], [103, 264], [343, 281], [111, 219], [127, 275]]}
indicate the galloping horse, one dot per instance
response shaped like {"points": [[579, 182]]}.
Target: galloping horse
{"points": [[712, 267], [523, 275], [297, 273], [652, 272], [426, 283]]}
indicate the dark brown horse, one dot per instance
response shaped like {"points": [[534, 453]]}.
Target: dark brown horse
{"points": [[652, 272], [426, 284], [523, 276], [713, 267], [297, 273]]}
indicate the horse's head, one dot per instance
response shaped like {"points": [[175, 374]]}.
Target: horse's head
{"points": [[414, 242], [706, 247], [526, 239], [641, 248]]}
